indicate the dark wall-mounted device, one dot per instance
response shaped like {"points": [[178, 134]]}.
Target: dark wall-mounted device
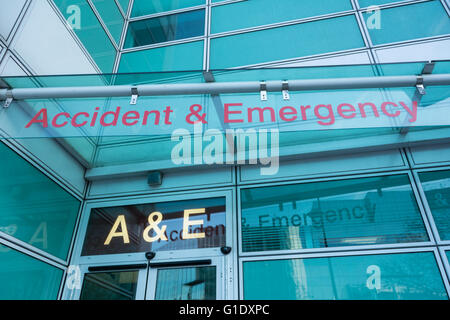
{"points": [[155, 178], [225, 250], [150, 255]]}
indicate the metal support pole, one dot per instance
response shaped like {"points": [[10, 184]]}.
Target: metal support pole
{"points": [[224, 87]]}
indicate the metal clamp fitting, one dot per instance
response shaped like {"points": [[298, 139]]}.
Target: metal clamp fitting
{"points": [[263, 89], [134, 96], [420, 87], [285, 90], [9, 99]]}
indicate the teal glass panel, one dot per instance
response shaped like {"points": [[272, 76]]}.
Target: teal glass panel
{"points": [[400, 69], [448, 255], [269, 11], [257, 74], [180, 57], [124, 4], [144, 7], [26, 278], [331, 214], [111, 16], [110, 286], [35, 209], [288, 42], [436, 186], [409, 276], [90, 32], [368, 3], [167, 28], [409, 22], [441, 67]]}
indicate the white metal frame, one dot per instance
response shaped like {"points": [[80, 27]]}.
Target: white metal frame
{"points": [[16, 25], [227, 275], [429, 213], [36, 254], [232, 267], [443, 252], [415, 165], [435, 251], [74, 36], [328, 174], [221, 277], [356, 10], [423, 215]]}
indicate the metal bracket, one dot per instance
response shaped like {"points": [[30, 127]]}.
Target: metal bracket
{"points": [[428, 67], [420, 87], [134, 96], [263, 88], [285, 90], [9, 99]]}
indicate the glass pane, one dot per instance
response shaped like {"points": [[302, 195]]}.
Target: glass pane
{"points": [[180, 57], [110, 286], [90, 32], [111, 16], [408, 22], [286, 42], [34, 208], [269, 11], [368, 3], [167, 28], [410, 276], [144, 7], [25, 278], [448, 255], [331, 214], [126, 229], [186, 284], [436, 186]]}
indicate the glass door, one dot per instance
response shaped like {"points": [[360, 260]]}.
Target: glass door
{"points": [[112, 285], [162, 280], [162, 247], [186, 280]]}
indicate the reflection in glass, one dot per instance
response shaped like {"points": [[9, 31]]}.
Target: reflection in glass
{"points": [[144, 7], [331, 214], [25, 278], [110, 286], [411, 276], [286, 42], [111, 16], [35, 209], [186, 284], [184, 56], [264, 12], [167, 28], [135, 218], [90, 32], [436, 186]]}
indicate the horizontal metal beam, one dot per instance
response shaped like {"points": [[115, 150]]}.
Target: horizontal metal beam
{"points": [[224, 87]]}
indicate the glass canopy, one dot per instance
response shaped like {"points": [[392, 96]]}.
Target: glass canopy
{"points": [[109, 131]]}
